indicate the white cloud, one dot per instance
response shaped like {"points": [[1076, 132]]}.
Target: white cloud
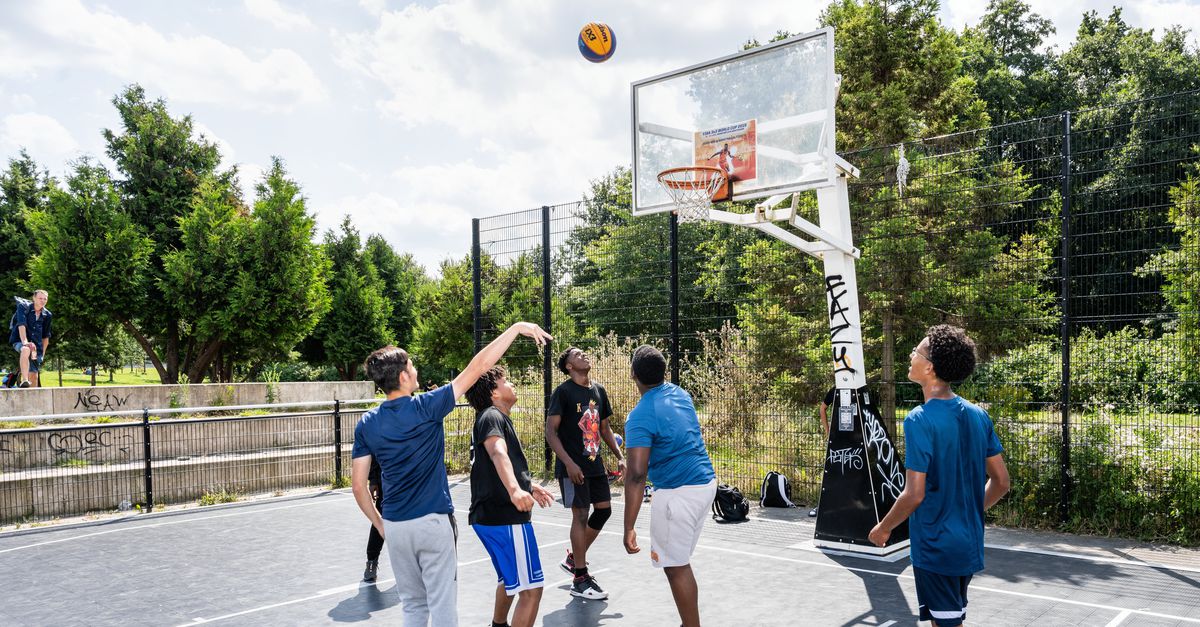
{"points": [[273, 12], [187, 68], [21, 102], [46, 140], [374, 7]]}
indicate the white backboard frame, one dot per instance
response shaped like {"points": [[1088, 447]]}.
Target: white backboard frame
{"points": [[824, 163]]}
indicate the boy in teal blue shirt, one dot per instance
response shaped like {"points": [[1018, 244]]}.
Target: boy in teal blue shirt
{"points": [[955, 471], [663, 442]]}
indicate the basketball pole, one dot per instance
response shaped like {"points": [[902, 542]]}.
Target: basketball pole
{"points": [[863, 473]]}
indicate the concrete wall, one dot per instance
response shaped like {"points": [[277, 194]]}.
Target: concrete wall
{"points": [[59, 471], [106, 399]]}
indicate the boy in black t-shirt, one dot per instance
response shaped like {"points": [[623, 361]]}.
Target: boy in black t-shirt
{"points": [[826, 403], [576, 423], [502, 495]]}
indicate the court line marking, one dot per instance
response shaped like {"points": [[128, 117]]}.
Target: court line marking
{"points": [[179, 521], [1119, 619], [974, 586], [1093, 558], [337, 590]]}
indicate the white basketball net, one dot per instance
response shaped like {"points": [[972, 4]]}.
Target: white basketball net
{"points": [[692, 189]]}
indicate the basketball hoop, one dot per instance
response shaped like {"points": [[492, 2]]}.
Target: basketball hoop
{"points": [[692, 189]]}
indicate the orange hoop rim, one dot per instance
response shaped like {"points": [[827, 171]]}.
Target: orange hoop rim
{"points": [[702, 177]]}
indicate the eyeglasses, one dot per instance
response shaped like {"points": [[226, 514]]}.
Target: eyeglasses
{"points": [[917, 352]]}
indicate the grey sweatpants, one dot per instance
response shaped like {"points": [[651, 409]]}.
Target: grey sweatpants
{"points": [[425, 563]]}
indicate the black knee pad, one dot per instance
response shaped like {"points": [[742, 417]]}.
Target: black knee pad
{"points": [[599, 517]]}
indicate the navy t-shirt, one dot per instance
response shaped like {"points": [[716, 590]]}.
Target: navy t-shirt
{"points": [[36, 327], [949, 440], [407, 436]]}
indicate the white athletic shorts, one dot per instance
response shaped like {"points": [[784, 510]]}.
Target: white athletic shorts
{"points": [[677, 516]]}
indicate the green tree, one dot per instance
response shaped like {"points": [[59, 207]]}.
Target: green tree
{"points": [[1004, 54], [23, 189], [901, 73], [164, 166], [444, 335], [1181, 281], [357, 322], [402, 279], [282, 277], [92, 260]]}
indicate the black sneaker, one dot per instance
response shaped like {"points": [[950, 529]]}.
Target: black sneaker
{"points": [[24, 384], [371, 571], [587, 588]]}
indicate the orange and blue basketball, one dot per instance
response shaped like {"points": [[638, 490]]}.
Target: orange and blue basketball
{"points": [[597, 42]]}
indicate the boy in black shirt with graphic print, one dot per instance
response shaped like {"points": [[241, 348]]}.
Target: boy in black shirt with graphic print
{"points": [[502, 495], [576, 423]]}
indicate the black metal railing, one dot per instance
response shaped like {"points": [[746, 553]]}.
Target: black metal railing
{"points": [[140, 459]]}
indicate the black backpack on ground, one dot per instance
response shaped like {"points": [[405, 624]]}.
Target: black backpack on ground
{"points": [[730, 505], [776, 491]]}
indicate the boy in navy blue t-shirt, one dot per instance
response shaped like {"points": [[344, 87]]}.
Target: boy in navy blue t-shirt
{"points": [[406, 435], [955, 471]]}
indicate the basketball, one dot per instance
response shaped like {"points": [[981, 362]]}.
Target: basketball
{"points": [[597, 42]]}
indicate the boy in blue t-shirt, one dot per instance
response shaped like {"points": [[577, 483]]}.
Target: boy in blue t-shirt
{"points": [[663, 441], [406, 434], [955, 472]]}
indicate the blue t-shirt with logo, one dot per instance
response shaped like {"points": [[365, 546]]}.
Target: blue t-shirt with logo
{"points": [[665, 421], [407, 437], [949, 440]]}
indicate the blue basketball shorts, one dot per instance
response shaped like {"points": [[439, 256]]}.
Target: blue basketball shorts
{"points": [[942, 598], [514, 553]]}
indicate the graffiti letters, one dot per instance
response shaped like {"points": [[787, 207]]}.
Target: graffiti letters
{"points": [[847, 457], [886, 460], [835, 288], [88, 444], [91, 401]]}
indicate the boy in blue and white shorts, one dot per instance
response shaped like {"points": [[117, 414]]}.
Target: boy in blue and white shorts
{"points": [[950, 445], [663, 442], [502, 496]]}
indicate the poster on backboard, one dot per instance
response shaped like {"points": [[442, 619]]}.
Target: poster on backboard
{"points": [[731, 147]]}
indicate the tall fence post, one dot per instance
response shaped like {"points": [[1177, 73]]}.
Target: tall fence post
{"points": [[674, 298], [147, 474], [476, 285], [337, 442], [547, 380], [1065, 326]]}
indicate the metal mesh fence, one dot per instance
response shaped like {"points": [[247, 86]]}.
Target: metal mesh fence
{"points": [[1067, 246]]}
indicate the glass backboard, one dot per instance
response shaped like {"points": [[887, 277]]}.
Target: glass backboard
{"points": [[765, 116]]}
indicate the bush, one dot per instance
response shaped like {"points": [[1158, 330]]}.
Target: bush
{"points": [[1126, 367]]}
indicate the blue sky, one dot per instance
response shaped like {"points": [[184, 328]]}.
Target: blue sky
{"points": [[410, 117]]}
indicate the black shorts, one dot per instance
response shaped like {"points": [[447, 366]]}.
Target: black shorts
{"points": [[942, 598], [592, 490]]}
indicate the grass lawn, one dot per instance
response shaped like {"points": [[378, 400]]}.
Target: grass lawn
{"points": [[121, 377]]}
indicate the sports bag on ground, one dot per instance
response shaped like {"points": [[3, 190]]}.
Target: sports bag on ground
{"points": [[776, 491], [729, 504]]}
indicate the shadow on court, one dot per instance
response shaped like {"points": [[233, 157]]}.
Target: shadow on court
{"points": [[297, 561], [885, 598], [369, 599]]}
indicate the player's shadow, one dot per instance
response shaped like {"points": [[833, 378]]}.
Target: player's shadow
{"points": [[360, 606], [884, 595], [580, 613]]}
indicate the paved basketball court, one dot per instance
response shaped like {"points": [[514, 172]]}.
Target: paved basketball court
{"points": [[298, 561]]}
